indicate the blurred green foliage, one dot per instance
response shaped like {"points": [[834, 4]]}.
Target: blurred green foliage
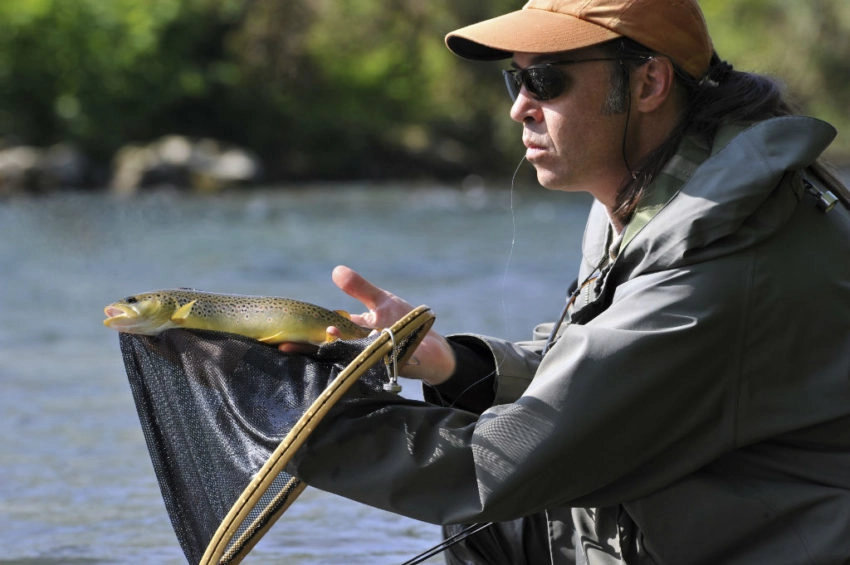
{"points": [[804, 44], [332, 89]]}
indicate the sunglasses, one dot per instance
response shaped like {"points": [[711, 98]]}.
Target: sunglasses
{"points": [[545, 81]]}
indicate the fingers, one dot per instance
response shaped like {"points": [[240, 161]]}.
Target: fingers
{"points": [[435, 360], [383, 307], [333, 333], [357, 287], [301, 348], [297, 348]]}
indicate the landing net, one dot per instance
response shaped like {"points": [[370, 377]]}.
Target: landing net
{"points": [[222, 415]]}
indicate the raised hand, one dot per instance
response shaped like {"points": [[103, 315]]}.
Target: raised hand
{"points": [[433, 361]]}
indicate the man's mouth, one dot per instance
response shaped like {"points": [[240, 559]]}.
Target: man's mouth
{"points": [[533, 150]]}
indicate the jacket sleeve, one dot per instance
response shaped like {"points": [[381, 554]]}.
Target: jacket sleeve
{"points": [[617, 408], [489, 371]]}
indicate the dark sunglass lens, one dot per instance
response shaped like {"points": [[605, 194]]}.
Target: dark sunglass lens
{"points": [[513, 82], [544, 83]]}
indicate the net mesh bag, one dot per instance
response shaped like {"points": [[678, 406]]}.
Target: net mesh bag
{"points": [[222, 414]]}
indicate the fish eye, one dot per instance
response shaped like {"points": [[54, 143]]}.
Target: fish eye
{"points": [[131, 300]]}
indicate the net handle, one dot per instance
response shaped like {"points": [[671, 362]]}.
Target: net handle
{"points": [[415, 324]]}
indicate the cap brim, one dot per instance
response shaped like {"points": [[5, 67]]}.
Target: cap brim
{"points": [[529, 30]]}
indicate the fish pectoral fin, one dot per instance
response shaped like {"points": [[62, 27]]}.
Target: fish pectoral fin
{"points": [[287, 336], [274, 338], [280, 337], [182, 313], [344, 314]]}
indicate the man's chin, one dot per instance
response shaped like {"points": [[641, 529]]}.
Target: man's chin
{"points": [[552, 182]]}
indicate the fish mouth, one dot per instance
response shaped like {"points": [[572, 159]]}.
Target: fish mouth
{"points": [[115, 314]]}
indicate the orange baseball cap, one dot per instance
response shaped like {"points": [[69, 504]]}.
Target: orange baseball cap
{"points": [[675, 28]]}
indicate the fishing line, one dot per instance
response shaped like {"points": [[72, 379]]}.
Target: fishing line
{"points": [[513, 222], [477, 527], [470, 387], [504, 274], [513, 242]]}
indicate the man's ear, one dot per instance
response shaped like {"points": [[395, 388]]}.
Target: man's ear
{"points": [[653, 84]]}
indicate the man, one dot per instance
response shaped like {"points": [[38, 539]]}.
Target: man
{"points": [[693, 404]]}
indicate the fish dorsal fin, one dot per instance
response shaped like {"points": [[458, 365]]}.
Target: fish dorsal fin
{"points": [[183, 312], [344, 314]]}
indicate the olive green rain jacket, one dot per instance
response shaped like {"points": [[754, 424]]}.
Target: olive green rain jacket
{"points": [[695, 409]]}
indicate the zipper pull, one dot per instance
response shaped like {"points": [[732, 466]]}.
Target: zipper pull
{"points": [[826, 200]]}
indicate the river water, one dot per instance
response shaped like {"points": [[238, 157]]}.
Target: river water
{"points": [[76, 482]]}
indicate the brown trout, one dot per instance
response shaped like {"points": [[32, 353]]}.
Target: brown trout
{"points": [[267, 319]]}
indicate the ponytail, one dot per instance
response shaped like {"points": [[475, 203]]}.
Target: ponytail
{"points": [[726, 96], [723, 96]]}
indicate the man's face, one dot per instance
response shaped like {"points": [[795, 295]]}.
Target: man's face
{"points": [[574, 140]]}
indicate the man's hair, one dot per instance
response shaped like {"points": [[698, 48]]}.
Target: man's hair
{"points": [[723, 96]]}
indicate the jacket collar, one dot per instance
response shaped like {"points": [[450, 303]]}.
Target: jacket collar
{"points": [[706, 194]]}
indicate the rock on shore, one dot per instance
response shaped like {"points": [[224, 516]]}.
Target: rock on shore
{"points": [[204, 165], [24, 168]]}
